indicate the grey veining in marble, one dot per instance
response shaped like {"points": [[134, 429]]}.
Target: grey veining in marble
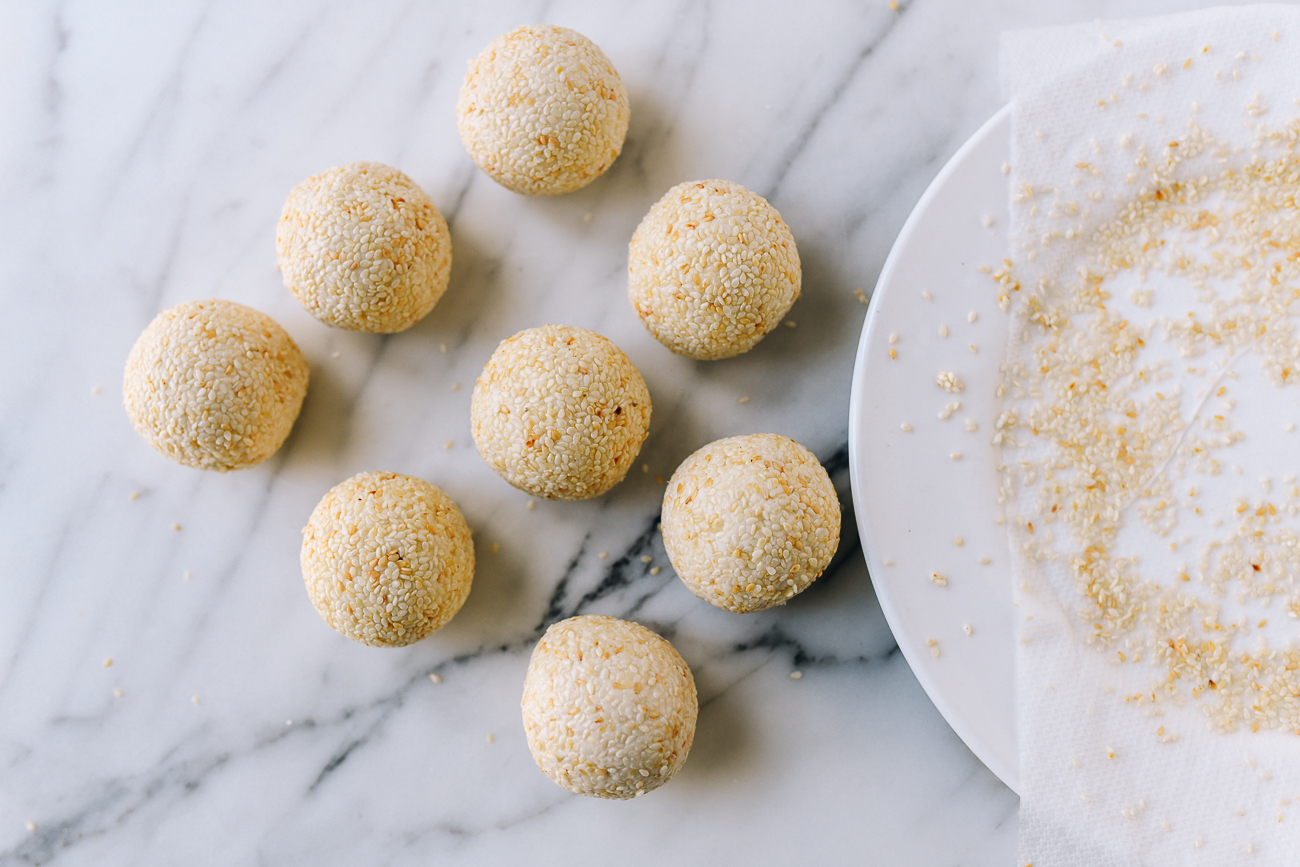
{"points": [[145, 151]]}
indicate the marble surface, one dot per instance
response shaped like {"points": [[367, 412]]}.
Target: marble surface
{"points": [[145, 151]]}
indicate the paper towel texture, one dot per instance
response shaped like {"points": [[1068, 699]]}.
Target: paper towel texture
{"points": [[1149, 438]]}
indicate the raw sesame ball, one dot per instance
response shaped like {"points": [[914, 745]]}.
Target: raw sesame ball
{"points": [[214, 385], [750, 521], [387, 559], [609, 707], [560, 412], [542, 111], [711, 269], [363, 248]]}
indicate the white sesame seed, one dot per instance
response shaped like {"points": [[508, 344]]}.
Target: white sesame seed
{"points": [[176, 527], [195, 699], [96, 389], [108, 661], [927, 296], [133, 496], [893, 338], [448, 444], [943, 330], [187, 575], [1006, 168], [906, 427], [603, 554], [118, 692], [795, 675], [654, 570], [987, 221], [743, 400], [968, 629], [435, 677], [29, 825], [491, 738]]}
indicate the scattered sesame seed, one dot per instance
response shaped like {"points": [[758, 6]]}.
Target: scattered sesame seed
{"points": [[948, 381], [956, 456], [108, 661], [943, 330], [654, 570], [496, 546], [907, 428], [795, 675], [889, 562], [974, 349], [435, 677], [187, 575], [532, 504], [972, 425], [491, 738], [984, 561], [118, 692], [176, 527], [987, 221], [455, 386], [603, 554], [29, 825], [959, 541], [743, 400], [938, 579], [893, 338], [442, 347], [659, 480], [861, 296], [97, 389], [789, 323], [927, 296], [1198, 842], [195, 699], [448, 444], [968, 629], [133, 496], [646, 558], [1006, 168], [893, 5], [586, 218]]}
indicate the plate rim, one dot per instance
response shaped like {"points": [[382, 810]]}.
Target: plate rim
{"points": [[1004, 767]]}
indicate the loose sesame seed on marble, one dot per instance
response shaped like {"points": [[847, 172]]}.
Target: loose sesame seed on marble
{"points": [[118, 692], [712, 268], [435, 677], [542, 111], [363, 248], [214, 385], [750, 521], [560, 412], [133, 496], [387, 559], [30, 826], [609, 707]]}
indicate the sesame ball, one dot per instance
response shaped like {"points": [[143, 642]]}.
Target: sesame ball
{"points": [[750, 521], [711, 269], [214, 385], [560, 412], [542, 111], [609, 707], [363, 248], [387, 559]]}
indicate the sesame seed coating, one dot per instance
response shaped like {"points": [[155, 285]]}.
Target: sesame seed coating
{"points": [[609, 707], [750, 521], [711, 269], [363, 248], [560, 412], [387, 559], [542, 111], [214, 384]]}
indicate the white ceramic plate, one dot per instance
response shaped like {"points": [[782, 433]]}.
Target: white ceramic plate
{"points": [[917, 491]]}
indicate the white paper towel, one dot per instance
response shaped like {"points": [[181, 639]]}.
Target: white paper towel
{"points": [[1104, 781]]}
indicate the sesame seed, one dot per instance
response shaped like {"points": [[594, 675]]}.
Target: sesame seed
{"points": [[861, 296], [195, 699], [789, 323], [448, 444], [1006, 168], [442, 347], [646, 558], [187, 575], [491, 738], [948, 381], [118, 692], [987, 221], [336, 354], [108, 661], [927, 296], [743, 400], [654, 570], [586, 218], [943, 330], [496, 547], [603, 554], [795, 675], [968, 629], [532, 504], [97, 389], [956, 456], [972, 425], [984, 561], [938, 579], [435, 677], [133, 496], [959, 541], [906, 427], [29, 825], [893, 5], [455, 386], [889, 562], [176, 527], [893, 338]]}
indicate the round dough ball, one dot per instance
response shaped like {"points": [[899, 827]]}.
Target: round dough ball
{"points": [[609, 707], [560, 412], [214, 385], [711, 269], [387, 559], [750, 521], [363, 248], [542, 111]]}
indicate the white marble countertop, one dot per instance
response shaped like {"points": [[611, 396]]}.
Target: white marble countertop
{"points": [[145, 151]]}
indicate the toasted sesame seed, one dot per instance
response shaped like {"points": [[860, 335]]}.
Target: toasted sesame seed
{"points": [[542, 111], [712, 268], [959, 541]]}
